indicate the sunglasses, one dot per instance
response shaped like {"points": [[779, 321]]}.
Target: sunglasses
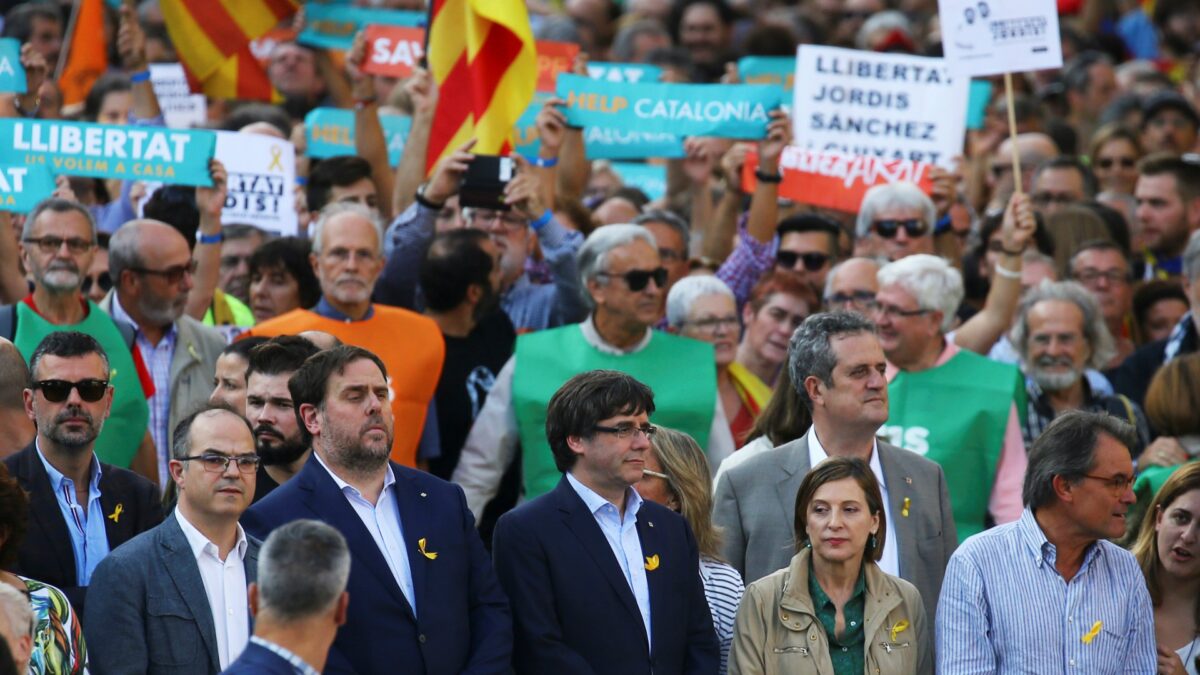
{"points": [[813, 260], [637, 280], [49, 245], [1109, 162], [57, 391], [913, 227], [103, 280]]}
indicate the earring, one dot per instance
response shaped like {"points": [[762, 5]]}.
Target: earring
{"points": [[873, 542]]}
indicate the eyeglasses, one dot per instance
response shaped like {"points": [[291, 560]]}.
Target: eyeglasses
{"points": [[639, 279], [57, 391], [625, 431], [214, 463], [813, 260], [229, 262], [714, 324], [892, 310], [1118, 484], [913, 227], [75, 245], [1048, 198], [103, 280], [510, 220], [1113, 277], [172, 275], [1109, 162], [864, 300], [671, 255]]}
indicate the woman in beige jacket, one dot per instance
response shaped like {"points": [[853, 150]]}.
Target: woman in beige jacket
{"points": [[832, 611]]}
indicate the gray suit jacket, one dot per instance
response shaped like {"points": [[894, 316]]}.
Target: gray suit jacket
{"points": [[147, 612], [756, 504]]}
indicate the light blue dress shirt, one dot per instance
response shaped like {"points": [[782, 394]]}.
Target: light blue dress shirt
{"points": [[89, 541], [1004, 608], [623, 539]]}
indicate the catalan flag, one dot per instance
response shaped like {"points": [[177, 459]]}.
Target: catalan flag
{"points": [[213, 39], [87, 57], [482, 56]]}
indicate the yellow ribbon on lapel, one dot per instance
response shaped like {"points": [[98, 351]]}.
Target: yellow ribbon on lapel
{"points": [[115, 516], [428, 554], [904, 507], [897, 628], [652, 563], [1091, 634]]}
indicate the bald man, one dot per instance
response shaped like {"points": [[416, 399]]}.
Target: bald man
{"points": [[18, 428], [1033, 149]]}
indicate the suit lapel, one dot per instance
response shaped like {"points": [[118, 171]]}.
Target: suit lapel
{"points": [[47, 514], [583, 525], [118, 524], [901, 491], [415, 518], [652, 549], [795, 466], [181, 565]]}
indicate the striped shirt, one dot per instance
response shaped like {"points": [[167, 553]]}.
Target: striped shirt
{"points": [[723, 588], [299, 665], [157, 358], [1004, 608]]}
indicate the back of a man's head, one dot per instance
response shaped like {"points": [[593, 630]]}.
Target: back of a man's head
{"points": [[13, 377], [302, 572]]}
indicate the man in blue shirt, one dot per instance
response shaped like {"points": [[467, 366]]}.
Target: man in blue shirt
{"points": [[1049, 592]]}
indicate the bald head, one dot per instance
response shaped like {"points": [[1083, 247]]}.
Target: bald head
{"points": [[321, 339], [1033, 148]]}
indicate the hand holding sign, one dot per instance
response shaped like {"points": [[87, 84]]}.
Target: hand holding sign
{"points": [[732, 162], [210, 200], [524, 192], [699, 161], [35, 69], [131, 40], [551, 126], [448, 174], [1019, 224], [423, 93], [945, 186], [779, 136]]}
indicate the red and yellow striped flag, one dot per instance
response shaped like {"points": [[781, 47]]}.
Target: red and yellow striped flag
{"points": [[87, 57], [213, 38], [483, 58]]}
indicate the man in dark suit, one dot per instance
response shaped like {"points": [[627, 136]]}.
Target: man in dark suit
{"points": [[172, 601], [601, 581], [299, 601], [80, 509], [838, 368], [425, 597]]}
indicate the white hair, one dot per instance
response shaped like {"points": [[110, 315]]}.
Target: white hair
{"points": [[1094, 330], [893, 195], [933, 282], [593, 255], [687, 291], [17, 611], [335, 209]]}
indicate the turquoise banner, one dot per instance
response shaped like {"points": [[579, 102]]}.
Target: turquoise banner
{"points": [[723, 110], [649, 178], [330, 132], [12, 74], [526, 139], [631, 73], [334, 26], [775, 70], [108, 150], [978, 98], [601, 143], [22, 187]]}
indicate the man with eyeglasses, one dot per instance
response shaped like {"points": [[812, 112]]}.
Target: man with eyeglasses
{"points": [[895, 220], [80, 507], [1050, 588], [1103, 268], [174, 598], [600, 580], [58, 246], [1060, 182]]}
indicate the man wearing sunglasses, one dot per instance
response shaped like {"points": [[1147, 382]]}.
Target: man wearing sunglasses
{"points": [[73, 495], [896, 220]]}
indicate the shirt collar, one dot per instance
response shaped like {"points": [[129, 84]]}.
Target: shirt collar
{"points": [[1042, 548], [817, 453], [57, 477], [593, 338], [389, 478], [200, 543], [285, 654], [594, 502], [330, 312]]}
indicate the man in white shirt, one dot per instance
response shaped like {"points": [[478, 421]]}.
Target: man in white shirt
{"points": [[173, 599]]}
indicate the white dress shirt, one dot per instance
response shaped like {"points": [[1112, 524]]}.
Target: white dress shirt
{"points": [[225, 586]]}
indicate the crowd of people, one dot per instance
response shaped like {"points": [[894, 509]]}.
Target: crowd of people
{"points": [[592, 430]]}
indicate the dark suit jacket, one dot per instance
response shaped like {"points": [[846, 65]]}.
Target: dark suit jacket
{"points": [[573, 610], [147, 612], [462, 623], [46, 553], [257, 660]]}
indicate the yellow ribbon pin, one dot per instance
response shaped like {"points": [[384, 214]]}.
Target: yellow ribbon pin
{"points": [[904, 507], [115, 516], [276, 156], [652, 563], [428, 554], [899, 627], [1091, 634]]}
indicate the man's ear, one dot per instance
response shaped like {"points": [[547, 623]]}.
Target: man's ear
{"points": [[252, 596], [343, 603], [813, 387], [1063, 488], [312, 421], [474, 294]]}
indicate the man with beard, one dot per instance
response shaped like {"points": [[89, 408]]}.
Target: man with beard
{"points": [[347, 255], [281, 445], [80, 508], [152, 269], [424, 593], [58, 243], [1059, 333], [1168, 210]]}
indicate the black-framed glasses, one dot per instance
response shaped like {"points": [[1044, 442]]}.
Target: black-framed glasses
{"points": [[625, 431], [889, 227], [47, 245], [172, 275], [671, 255], [813, 260], [637, 280], [1048, 198], [892, 310], [863, 300], [214, 463], [103, 280], [1118, 484], [57, 391], [1109, 162], [1090, 276]]}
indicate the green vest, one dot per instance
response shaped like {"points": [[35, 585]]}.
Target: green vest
{"points": [[956, 415], [127, 421], [681, 372]]}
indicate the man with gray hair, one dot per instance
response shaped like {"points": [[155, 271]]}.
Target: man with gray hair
{"points": [[620, 267], [838, 366], [948, 404], [1049, 588], [894, 221], [1060, 333], [673, 237], [298, 602], [16, 625], [347, 254]]}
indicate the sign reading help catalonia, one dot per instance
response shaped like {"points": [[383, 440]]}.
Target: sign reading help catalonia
{"points": [[330, 132], [108, 150], [22, 187], [723, 110]]}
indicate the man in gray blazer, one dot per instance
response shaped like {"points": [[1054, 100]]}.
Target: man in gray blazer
{"points": [[172, 601], [838, 369]]}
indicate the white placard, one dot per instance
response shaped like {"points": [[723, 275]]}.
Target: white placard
{"points": [[991, 37], [892, 106], [180, 107], [262, 179]]}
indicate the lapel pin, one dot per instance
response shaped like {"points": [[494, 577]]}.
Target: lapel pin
{"points": [[1091, 634], [650, 523], [904, 507], [652, 563], [897, 628], [421, 547], [422, 494], [115, 516]]}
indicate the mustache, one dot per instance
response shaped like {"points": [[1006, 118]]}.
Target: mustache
{"points": [[1048, 361], [74, 411], [262, 429]]}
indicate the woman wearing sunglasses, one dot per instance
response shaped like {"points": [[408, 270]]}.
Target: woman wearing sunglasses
{"points": [[1115, 151]]}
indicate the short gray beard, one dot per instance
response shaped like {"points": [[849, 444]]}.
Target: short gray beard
{"points": [[1049, 381]]}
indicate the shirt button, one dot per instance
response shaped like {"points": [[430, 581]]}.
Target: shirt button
{"points": [[845, 649], [1072, 662], [853, 623], [421, 638]]}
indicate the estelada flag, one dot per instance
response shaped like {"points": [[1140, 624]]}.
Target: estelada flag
{"points": [[482, 56], [87, 58]]}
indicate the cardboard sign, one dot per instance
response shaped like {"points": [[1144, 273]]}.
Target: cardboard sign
{"points": [[22, 187], [554, 58], [649, 178], [334, 26], [181, 108], [632, 73], [12, 73], [836, 181], [393, 51], [330, 132], [262, 177], [777, 70], [992, 37], [891, 106]]}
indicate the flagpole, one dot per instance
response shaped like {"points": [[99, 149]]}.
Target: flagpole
{"points": [[428, 30], [1012, 132], [68, 38]]}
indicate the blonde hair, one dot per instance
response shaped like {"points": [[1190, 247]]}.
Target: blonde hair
{"points": [[1174, 397], [689, 480], [1182, 481]]}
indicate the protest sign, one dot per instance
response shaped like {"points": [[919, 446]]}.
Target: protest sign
{"points": [[262, 177], [554, 58], [777, 70], [632, 73], [836, 181], [108, 150], [12, 73], [181, 108], [526, 139], [649, 178], [330, 132], [393, 50], [978, 97], [334, 26], [22, 187], [892, 106], [990, 37], [599, 142], [723, 110]]}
